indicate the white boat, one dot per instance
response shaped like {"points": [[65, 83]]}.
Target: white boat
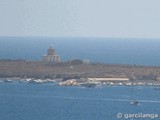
{"points": [[135, 102], [7, 80]]}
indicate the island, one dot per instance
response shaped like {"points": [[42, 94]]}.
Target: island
{"points": [[77, 72]]}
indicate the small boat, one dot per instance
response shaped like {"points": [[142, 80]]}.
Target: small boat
{"points": [[140, 89], [88, 85], [157, 88], [7, 80], [34, 81], [134, 102]]}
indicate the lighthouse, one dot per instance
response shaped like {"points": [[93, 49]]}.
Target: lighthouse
{"points": [[51, 56]]}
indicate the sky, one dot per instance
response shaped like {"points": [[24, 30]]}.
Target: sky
{"points": [[80, 18]]}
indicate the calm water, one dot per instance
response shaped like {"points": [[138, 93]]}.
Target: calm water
{"points": [[22, 101], [109, 50]]}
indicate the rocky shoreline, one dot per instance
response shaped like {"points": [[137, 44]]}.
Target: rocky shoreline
{"points": [[81, 82]]}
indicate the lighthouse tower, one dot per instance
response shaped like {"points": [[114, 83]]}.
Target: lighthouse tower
{"points": [[51, 56]]}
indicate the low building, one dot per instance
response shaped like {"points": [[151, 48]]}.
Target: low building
{"points": [[108, 79], [51, 56], [86, 61]]}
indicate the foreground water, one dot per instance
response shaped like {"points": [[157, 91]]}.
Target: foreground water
{"points": [[22, 101]]}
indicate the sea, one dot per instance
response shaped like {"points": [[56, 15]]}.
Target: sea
{"points": [[97, 50], [48, 101]]}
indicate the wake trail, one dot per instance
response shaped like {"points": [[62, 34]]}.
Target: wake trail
{"points": [[112, 100]]}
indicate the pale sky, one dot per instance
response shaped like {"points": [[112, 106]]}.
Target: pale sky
{"points": [[80, 18]]}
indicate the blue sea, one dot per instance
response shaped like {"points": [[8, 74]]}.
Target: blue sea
{"points": [[22, 101], [99, 50]]}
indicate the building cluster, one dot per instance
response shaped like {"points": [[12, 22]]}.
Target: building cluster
{"points": [[51, 56]]}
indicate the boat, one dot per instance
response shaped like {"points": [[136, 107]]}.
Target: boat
{"points": [[35, 81], [135, 102], [89, 85], [7, 80], [157, 88]]}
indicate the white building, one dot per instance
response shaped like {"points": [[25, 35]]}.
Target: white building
{"points": [[51, 56]]}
